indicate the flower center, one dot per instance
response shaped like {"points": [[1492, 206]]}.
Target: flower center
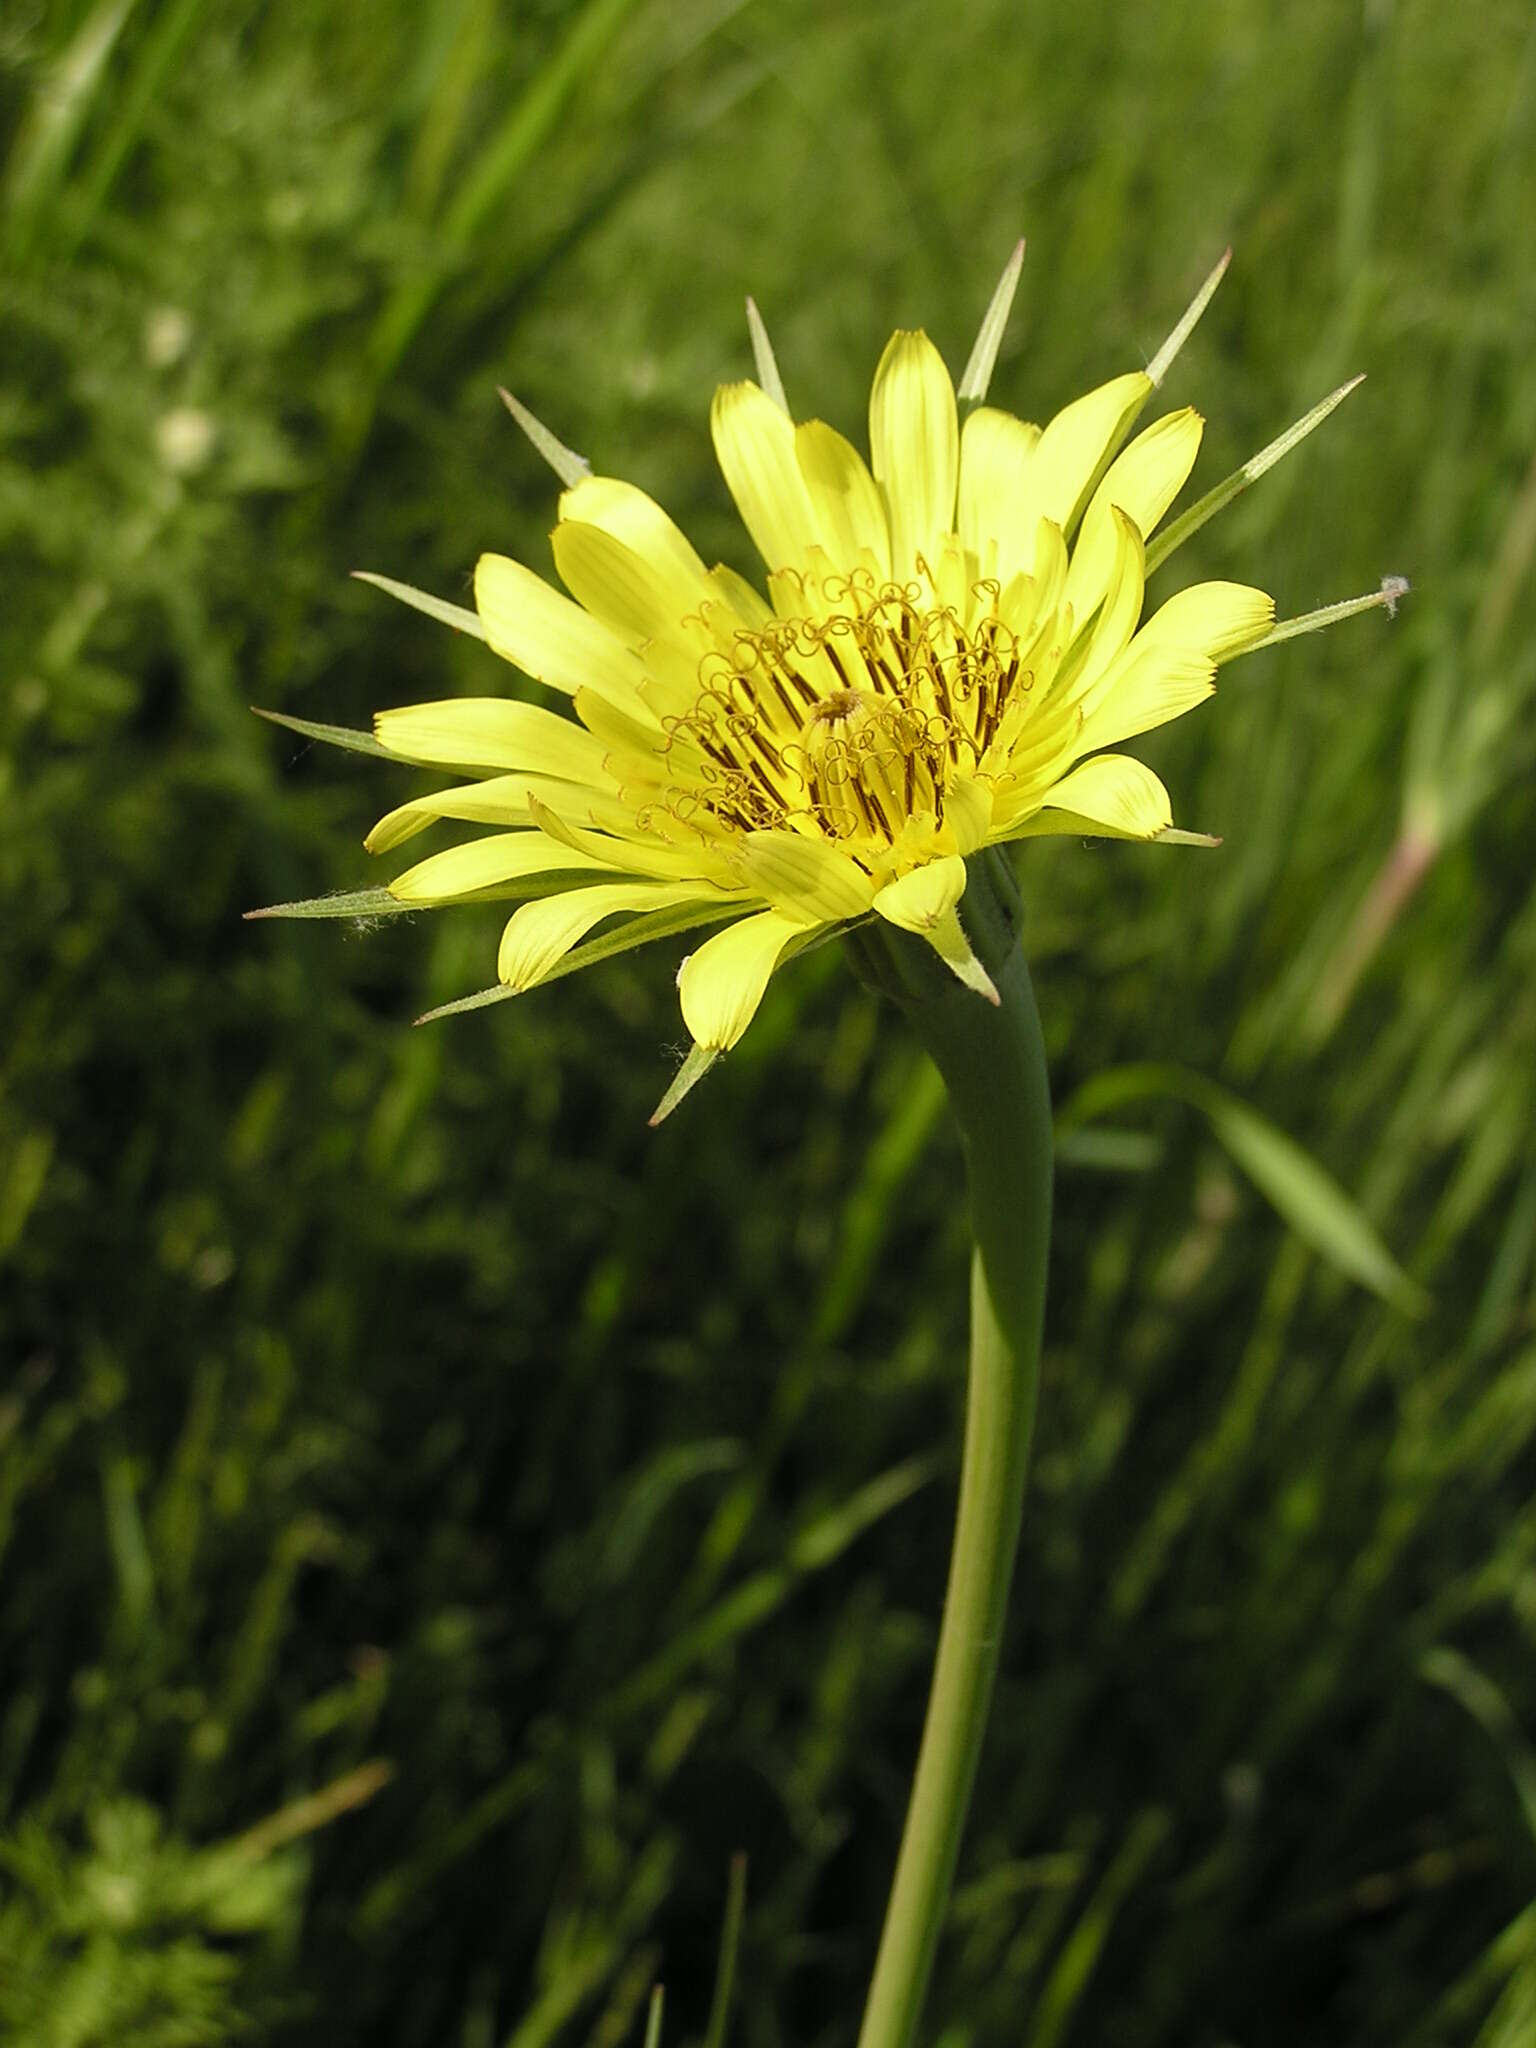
{"points": [[849, 720]]}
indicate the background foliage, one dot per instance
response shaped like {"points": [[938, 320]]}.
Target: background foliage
{"points": [[442, 1521]]}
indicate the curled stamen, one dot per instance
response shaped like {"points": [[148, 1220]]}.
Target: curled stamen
{"points": [[875, 749]]}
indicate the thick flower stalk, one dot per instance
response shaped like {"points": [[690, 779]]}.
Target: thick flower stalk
{"points": [[946, 652]]}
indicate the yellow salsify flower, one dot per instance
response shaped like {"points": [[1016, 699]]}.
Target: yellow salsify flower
{"points": [[947, 650]]}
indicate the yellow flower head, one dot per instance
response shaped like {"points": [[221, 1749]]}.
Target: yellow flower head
{"points": [[948, 643]]}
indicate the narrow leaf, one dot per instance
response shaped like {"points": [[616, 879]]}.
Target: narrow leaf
{"points": [[730, 1943], [1476, 1692], [653, 2018], [1310, 1200], [829, 1535], [1301, 1191], [380, 902]]}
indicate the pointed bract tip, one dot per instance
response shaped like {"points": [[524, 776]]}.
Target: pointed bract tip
{"points": [[1175, 835], [1162, 362], [570, 467], [768, 378], [973, 386], [1386, 597], [698, 1063], [454, 615], [966, 968]]}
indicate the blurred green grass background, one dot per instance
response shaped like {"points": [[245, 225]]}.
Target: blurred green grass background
{"points": [[442, 1521]]}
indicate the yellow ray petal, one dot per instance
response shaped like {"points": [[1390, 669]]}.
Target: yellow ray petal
{"points": [[968, 811], [540, 631], [1143, 482], [641, 598], [538, 935], [1157, 686], [917, 900], [914, 438], [995, 452], [1216, 620], [1121, 608], [486, 864], [633, 850], [755, 447], [492, 732], [804, 877], [744, 599], [1075, 443], [1110, 797], [499, 800], [924, 902], [722, 983], [635, 519], [850, 514], [635, 751]]}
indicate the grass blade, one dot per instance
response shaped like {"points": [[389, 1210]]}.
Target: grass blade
{"points": [[1301, 1191]]}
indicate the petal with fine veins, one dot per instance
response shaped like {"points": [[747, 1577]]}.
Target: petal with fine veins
{"points": [[640, 597], [1142, 481], [1111, 797], [486, 864], [1120, 610], [722, 983], [492, 732], [804, 877], [538, 935], [924, 902], [635, 518], [914, 437], [1076, 441], [916, 901], [850, 514], [1217, 620], [995, 452], [540, 631], [755, 447], [1151, 689]]}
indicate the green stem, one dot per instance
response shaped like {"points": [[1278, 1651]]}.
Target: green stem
{"points": [[993, 1064]]}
